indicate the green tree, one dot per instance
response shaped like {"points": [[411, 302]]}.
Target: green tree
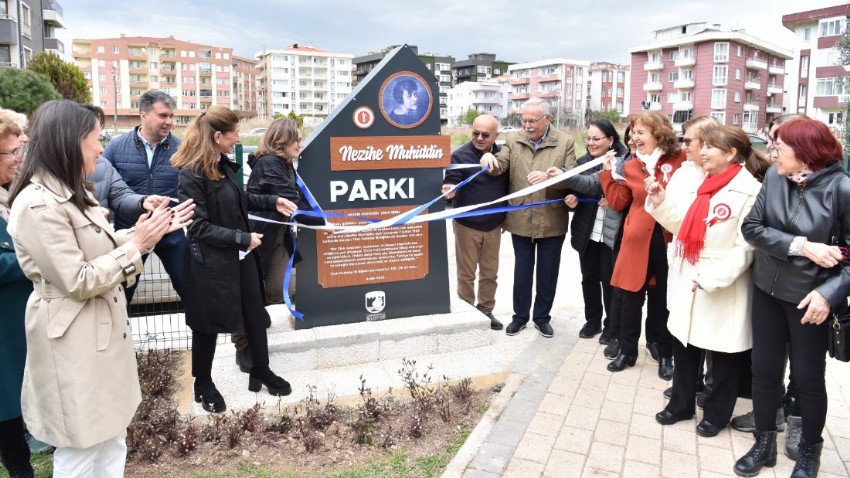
{"points": [[469, 116], [66, 77], [24, 90], [612, 115], [298, 118]]}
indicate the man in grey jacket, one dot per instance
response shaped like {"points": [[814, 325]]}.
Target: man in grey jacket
{"points": [[112, 192]]}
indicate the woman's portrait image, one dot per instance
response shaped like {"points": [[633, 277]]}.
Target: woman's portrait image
{"points": [[405, 99]]}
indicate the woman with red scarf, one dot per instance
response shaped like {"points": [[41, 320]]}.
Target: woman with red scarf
{"points": [[710, 303]]}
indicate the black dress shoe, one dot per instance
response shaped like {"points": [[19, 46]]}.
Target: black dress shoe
{"points": [[606, 337], [621, 362], [652, 347], [494, 322], [665, 368], [590, 329], [244, 360], [264, 376], [668, 393], [612, 350], [514, 327], [209, 397], [666, 417], [706, 429], [545, 329]]}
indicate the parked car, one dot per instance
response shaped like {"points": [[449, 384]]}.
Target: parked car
{"points": [[255, 132], [758, 142]]}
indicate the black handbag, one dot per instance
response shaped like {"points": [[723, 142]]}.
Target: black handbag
{"points": [[839, 337]]}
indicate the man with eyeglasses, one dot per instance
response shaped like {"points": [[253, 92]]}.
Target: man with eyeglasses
{"points": [[537, 233], [477, 238]]}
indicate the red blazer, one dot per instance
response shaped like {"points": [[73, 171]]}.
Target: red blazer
{"points": [[633, 260]]}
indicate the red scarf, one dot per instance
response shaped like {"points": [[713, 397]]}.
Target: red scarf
{"points": [[691, 237]]}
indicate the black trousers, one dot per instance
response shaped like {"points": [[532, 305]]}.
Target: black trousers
{"points": [[657, 313], [596, 268], [254, 323], [727, 370], [775, 324], [14, 451]]}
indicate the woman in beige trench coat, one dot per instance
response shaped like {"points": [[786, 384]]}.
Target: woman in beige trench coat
{"points": [[80, 386]]}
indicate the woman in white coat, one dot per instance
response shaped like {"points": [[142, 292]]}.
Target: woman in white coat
{"points": [[710, 308], [81, 386]]}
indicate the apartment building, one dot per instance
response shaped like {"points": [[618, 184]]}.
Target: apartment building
{"points": [[28, 27], [304, 79], [700, 68], [244, 86], [815, 81], [560, 81], [119, 70], [440, 65], [485, 96], [478, 67], [608, 88]]}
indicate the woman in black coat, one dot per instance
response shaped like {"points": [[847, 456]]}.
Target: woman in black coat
{"points": [[273, 172], [224, 290]]}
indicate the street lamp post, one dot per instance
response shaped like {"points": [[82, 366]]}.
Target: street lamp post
{"points": [[115, 101]]}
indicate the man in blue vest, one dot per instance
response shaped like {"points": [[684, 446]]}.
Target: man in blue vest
{"points": [[143, 159]]}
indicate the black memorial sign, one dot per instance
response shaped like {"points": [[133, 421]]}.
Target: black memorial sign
{"points": [[378, 155]]}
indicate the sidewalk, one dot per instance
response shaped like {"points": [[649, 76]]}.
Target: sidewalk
{"points": [[571, 417]]}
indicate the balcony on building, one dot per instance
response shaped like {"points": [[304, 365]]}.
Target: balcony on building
{"points": [[682, 62], [683, 83], [752, 85], [55, 46], [519, 96], [751, 106], [138, 69], [655, 106], [549, 94], [683, 105], [137, 54], [52, 15], [653, 65], [774, 90], [520, 81], [652, 86], [757, 63], [773, 109], [8, 30], [776, 68]]}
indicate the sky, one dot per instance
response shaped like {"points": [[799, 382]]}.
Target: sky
{"points": [[516, 31]]}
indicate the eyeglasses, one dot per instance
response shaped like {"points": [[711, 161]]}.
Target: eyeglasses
{"points": [[17, 152], [531, 120], [594, 140], [483, 134]]}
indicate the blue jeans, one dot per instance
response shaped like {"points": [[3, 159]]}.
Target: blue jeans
{"points": [[548, 260], [170, 252]]}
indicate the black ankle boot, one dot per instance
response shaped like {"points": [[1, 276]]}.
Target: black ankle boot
{"points": [[763, 453], [621, 362], [808, 461], [208, 396], [264, 376]]}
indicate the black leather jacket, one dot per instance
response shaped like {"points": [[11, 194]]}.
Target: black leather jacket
{"points": [[820, 211]]}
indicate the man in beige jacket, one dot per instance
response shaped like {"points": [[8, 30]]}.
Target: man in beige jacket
{"points": [[537, 233]]}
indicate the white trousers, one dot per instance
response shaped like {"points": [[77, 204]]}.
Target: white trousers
{"points": [[104, 460]]}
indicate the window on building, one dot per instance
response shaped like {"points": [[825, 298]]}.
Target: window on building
{"points": [[101, 49], [751, 117], [721, 73], [101, 63], [720, 116], [116, 49], [103, 91], [655, 98], [738, 74], [5, 54], [736, 118], [803, 91], [831, 28], [718, 98], [740, 51], [101, 77], [721, 51], [829, 87], [26, 20], [807, 33], [655, 57], [673, 76], [673, 55], [103, 105], [804, 66], [737, 97], [655, 78], [687, 52], [686, 96], [687, 74]]}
